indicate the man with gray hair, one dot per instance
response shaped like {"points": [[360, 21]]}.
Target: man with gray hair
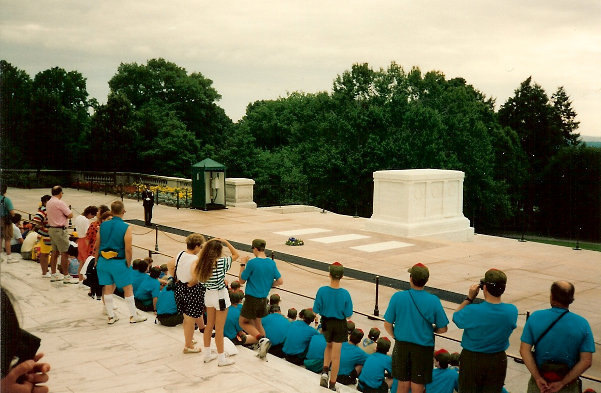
{"points": [[563, 344]]}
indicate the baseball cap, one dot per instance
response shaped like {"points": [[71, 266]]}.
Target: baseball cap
{"points": [[274, 299], [495, 276], [383, 345], [374, 333], [336, 270], [259, 243], [419, 271], [308, 315], [443, 356], [350, 325]]}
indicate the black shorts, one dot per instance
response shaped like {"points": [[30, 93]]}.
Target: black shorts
{"points": [[482, 372], [412, 362], [334, 330], [253, 307]]}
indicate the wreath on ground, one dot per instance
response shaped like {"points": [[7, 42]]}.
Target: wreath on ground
{"points": [[294, 242]]}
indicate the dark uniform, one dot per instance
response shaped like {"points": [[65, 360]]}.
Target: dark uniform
{"points": [[148, 203]]}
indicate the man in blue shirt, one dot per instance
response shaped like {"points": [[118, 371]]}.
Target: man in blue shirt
{"points": [[412, 318], [259, 274], [486, 330], [564, 352]]}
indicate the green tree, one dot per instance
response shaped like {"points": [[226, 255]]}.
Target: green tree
{"points": [[15, 101], [59, 119]]}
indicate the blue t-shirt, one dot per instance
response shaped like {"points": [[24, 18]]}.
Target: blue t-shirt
{"points": [[259, 275], [486, 326], [276, 325], [232, 326], [148, 289], [166, 302], [317, 346], [6, 205], [570, 336], [111, 236], [444, 380], [333, 303], [409, 326], [350, 356], [372, 374], [137, 278], [297, 338]]}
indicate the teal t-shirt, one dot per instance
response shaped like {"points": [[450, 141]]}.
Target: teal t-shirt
{"points": [[333, 303], [6, 205], [317, 346], [166, 302], [297, 338], [570, 336], [409, 325], [350, 357], [232, 326], [137, 278], [372, 374], [486, 326], [276, 325], [259, 275], [148, 289]]}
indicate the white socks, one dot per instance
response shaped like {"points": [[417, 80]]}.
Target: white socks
{"points": [[108, 304], [131, 305]]}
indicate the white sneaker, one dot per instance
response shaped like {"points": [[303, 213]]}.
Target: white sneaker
{"points": [[80, 285], [227, 361], [70, 280], [113, 319], [56, 277], [47, 275], [3, 257], [13, 258], [210, 357], [323, 381], [137, 318], [264, 345]]}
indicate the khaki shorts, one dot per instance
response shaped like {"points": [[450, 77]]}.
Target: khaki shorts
{"points": [[59, 238]]}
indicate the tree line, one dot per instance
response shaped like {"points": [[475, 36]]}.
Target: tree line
{"points": [[524, 164]]}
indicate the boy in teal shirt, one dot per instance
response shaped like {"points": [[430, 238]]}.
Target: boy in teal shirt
{"points": [[335, 305]]}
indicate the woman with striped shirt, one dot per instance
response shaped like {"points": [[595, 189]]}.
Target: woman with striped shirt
{"points": [[210, 270]]}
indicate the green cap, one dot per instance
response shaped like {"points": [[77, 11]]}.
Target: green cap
{"points": [[274, 299], [383, 345], [350, 326], [259, 244], [356, 336], [308, 315], [292, 313], [374, 333], [419, 271], [336, 270], [495, 276]]}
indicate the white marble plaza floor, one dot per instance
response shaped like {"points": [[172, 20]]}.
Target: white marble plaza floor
{"points": [[89, 356]]}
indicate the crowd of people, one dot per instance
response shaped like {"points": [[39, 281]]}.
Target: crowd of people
{"points": [[192, 290]]}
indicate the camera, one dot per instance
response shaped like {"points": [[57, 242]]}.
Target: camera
{"points": [[222, 306], [481, 285]]}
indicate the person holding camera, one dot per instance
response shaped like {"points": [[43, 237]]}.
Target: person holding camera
{"points": [[562, 341], [486, 330], [210, 270]]}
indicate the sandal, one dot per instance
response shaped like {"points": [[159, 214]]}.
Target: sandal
{"points": [[192, 350]]}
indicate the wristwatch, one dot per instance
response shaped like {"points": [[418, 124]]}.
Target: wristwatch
{"points": [[242, 264], [469, 300]]}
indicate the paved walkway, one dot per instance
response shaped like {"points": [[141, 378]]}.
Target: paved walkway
{"points": [[87, 355]]}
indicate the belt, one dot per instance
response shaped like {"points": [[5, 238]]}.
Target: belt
{"points": [[61, 227]]}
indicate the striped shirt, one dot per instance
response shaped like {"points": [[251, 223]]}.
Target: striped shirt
{"points": [[217, 279]]}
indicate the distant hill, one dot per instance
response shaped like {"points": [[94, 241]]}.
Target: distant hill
{"points": [[591, 141]]}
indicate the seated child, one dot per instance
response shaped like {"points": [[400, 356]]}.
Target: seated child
{"points": [[147, 293], [232, 329], [292, 314], [314, 358], [235, 285], [444, 379], [28, 245], [298, 337], [139, 267], [73, 261], [276, 325], [17, 239], [372, 378], [167, 313], [369, 343], [352, 359], [454, 363]]}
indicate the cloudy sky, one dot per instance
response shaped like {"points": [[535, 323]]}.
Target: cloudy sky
{"points": [[263, 49]]}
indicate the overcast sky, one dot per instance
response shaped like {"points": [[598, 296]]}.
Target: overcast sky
{"points": [[255, 50]]}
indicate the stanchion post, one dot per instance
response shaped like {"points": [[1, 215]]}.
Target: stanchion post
{"points": [[376, 310], [177, 197], [70, 223], [577, 248], [156, 238]]}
